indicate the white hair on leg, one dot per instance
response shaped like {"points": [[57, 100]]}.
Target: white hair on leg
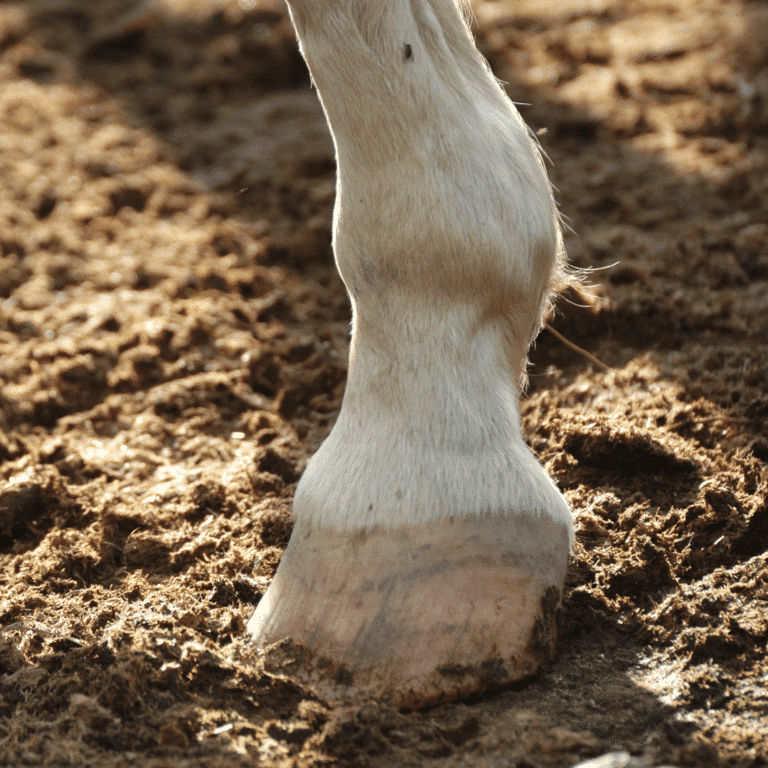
{"points": [[427, 535], [446, 236]]}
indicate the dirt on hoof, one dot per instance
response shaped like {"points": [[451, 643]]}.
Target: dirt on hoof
{"points": [[173, 340]]}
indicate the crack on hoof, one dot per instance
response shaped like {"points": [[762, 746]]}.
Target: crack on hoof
{"points": [[544, 636]]}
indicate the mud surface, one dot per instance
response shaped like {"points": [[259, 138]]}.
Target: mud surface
{"points": [[173, 342]]}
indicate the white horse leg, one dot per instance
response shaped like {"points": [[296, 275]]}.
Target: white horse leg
{"points": [[430, 548]]}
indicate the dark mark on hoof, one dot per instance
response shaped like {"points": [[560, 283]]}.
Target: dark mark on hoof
{"points": [[454, 670], [343, 676], [493, 671], [544, 635]]}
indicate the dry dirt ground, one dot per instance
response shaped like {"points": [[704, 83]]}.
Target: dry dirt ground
{"points": [[173, 341]]}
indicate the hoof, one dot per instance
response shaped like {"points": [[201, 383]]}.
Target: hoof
{"points": [[420, 615]]}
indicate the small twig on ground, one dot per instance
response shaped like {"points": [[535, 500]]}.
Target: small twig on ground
{"points": [[576, 348], [39, 631], [723, 417]]}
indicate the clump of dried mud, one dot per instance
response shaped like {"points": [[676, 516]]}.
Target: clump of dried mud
{"points": [[173, 342]]}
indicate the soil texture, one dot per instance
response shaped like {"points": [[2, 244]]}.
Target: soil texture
{"points": [[173, 346]]}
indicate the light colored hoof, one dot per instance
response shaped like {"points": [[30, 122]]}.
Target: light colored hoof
{"points": [[420, 615]]}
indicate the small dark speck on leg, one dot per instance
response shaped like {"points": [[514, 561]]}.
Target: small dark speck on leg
{"points": [[407, 51]]}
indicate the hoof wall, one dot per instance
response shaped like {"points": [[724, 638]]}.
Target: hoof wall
{"points": [[421, 615]]}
